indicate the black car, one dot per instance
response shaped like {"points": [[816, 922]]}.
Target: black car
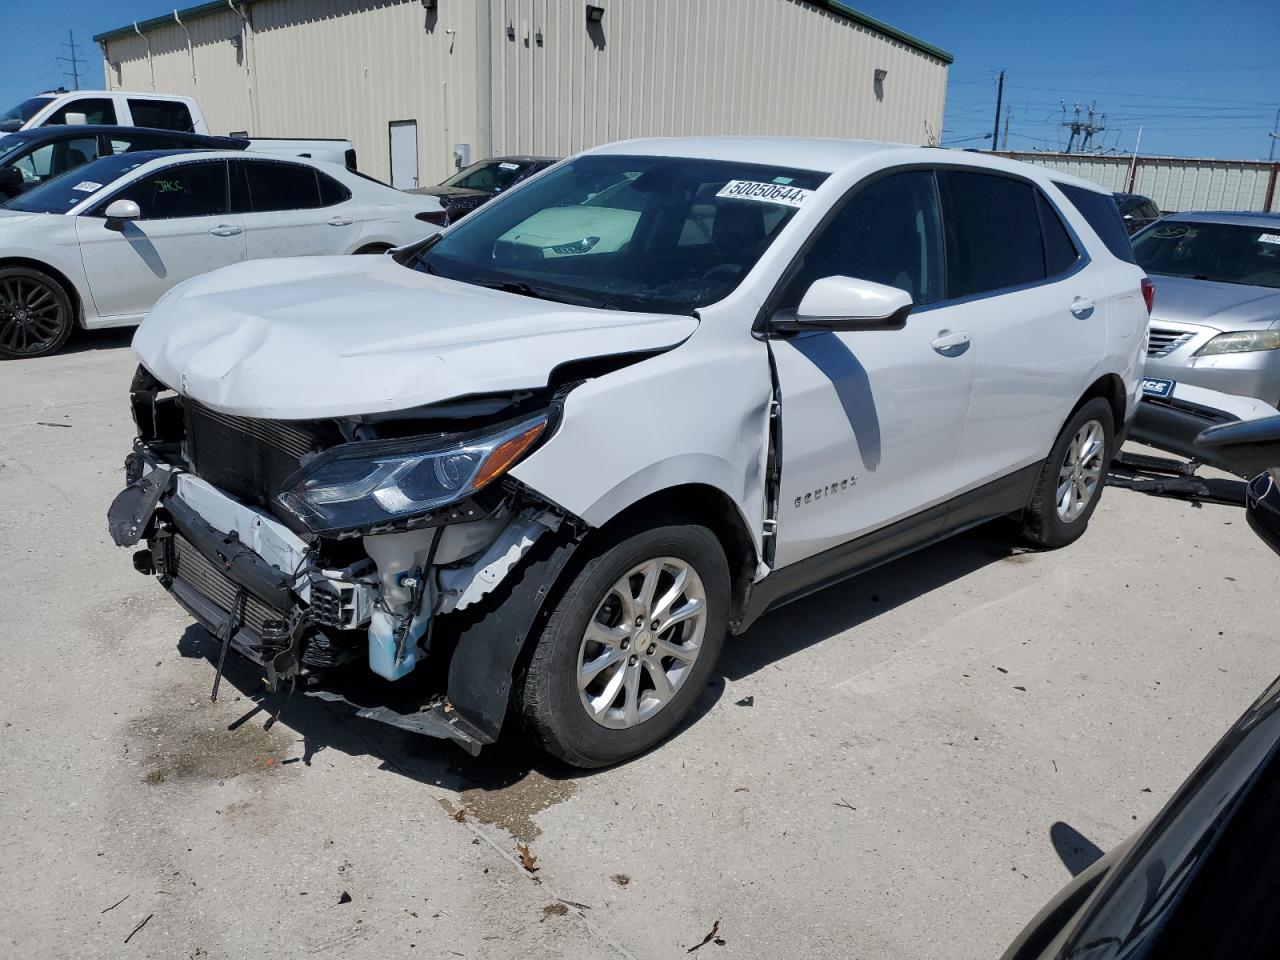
{"points": [[1137, 210], [29, 157], [1202, 879], [482, 181]]}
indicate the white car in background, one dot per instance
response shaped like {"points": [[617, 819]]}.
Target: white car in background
{"points": [[99, 245]]}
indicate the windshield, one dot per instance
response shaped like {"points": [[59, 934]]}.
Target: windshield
{"points": [[491, 176], [653, 234], [63, 192], [13, 118], [1223, 252]]}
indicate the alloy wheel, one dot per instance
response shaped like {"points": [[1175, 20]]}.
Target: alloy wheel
{"points": [[641, 643], [31, 317], [1081, 471]]}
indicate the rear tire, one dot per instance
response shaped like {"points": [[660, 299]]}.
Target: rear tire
{"points": [[628, 647], [36, 315], [373, 248], [1071, 481]]}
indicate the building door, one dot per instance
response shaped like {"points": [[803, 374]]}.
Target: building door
{"points": [[404, 154]]}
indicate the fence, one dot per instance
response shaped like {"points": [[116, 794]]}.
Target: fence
{"points": [[1176, 184]]}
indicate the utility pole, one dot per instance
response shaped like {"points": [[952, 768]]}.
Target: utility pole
{"points": [[1004, 143], [1133, 164], [995, 131], [74, 59], [1275, 135]]}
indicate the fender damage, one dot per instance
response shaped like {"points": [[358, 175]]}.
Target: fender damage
{"points": [[418, 621]]}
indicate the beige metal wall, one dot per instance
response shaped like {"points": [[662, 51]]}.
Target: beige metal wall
{"points": [[675, 67], [1176, 184], [325, 68], [218, 79], [531, 76]]}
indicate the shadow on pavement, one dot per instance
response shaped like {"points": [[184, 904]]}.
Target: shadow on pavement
{"points": [[1074, 849], [113, 338], [846, 605], [512, 763]]}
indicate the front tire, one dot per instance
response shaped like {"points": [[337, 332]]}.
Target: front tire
{"points": [[629, 646], [1071, 480], [36, 315]]}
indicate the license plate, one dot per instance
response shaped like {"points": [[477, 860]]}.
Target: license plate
{"points": [[1155, 387]]}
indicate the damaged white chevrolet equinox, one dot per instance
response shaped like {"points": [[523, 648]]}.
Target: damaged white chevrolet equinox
{"points": [[544, 462]]}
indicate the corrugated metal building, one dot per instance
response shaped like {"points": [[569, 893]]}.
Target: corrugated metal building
{"points": [[1176, 184], [532, 76]]}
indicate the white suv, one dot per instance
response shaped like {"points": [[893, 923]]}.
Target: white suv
{"points": [[547, 460]]}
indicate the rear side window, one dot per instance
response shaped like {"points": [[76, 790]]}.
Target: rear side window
{"points": [[331, 191], [992, 233], [1104, 216], [95, 109], [161, 114], [1060, 253], [888, 232], [277, 185]]}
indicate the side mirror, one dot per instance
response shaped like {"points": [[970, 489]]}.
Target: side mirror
{"points": [[118, 211], [11, 180], [846, 303]]}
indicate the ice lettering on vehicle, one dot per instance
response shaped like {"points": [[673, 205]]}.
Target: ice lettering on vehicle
{"points": [[1153, 387], [778, 193]]}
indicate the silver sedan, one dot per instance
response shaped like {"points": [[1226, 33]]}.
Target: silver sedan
{"points": [[1216, 318]]}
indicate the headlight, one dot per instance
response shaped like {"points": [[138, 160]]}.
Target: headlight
{"points": [[1241, 341], [360, 485]]}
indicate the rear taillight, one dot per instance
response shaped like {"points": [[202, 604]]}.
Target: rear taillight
{"points": [[439, 218], [1148, 294]]}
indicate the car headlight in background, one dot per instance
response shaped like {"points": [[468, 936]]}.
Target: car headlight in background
{"points": [[360, 485], [1241, 341]]}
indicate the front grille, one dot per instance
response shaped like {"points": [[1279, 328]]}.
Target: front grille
{"points": [[1162, 341], [247, 457], [195, 570]]}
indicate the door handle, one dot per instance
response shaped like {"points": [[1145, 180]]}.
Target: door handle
{"points": [[339, 221], [226, 230], [950, 343], [1082, 306]]}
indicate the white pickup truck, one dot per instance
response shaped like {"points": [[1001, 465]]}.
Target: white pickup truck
{"points": [[161, 111]]}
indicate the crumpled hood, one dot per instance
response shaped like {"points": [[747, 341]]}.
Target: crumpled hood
{"points": [[314, 337], [1222, 306]]}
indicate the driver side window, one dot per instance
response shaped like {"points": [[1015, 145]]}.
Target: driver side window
{"points": [[184, 190], [888, 232]]}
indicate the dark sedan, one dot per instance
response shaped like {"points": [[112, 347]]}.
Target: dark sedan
{"points": [[482, 181], [30, 157], [1137, 210]]}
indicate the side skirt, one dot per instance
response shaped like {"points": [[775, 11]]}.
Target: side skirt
{"points": [[1009, 494]]}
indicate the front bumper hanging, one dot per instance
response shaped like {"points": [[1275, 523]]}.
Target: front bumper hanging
{"points": [[254, 608]]}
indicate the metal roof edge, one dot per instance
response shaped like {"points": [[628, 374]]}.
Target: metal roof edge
{"points": [[857, 16], [197, 11], [835, 6]]}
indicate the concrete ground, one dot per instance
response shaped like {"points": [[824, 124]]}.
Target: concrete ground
{"points": [[925, 750]]}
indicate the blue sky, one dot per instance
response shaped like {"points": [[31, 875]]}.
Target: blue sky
{"points": [[1202, 79]]}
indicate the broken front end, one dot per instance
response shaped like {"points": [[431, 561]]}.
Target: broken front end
{"points": [[388, 561]]}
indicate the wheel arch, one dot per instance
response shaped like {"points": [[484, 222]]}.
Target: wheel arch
{"points": [[1109, 387], [699, 503], [72, 291]]}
